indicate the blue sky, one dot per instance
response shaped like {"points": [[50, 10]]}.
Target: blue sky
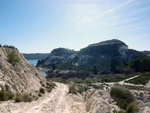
{"points": [[42, 25]]}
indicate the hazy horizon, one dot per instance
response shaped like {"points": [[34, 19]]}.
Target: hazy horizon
{"points": [[40, 26]]}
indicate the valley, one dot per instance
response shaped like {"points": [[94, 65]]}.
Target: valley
{"points": [[76, 81], [74, 56]]}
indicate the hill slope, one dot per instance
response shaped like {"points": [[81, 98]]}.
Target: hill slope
{"points": [[22, 77], [99, 54], [57, 56]]}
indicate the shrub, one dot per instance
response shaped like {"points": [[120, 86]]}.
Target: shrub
{"points": [[82, 89], [128, 71], [122, 95], [18, 99], [132, 108], [4, 95], [23, 98], [26, 98], [13, 57], [50, 86], [39, 95], [7, 46], [0, 45], [104, 71], [72, 89], [42, 90]]}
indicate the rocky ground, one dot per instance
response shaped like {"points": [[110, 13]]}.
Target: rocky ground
{"points": [[58, 101]]}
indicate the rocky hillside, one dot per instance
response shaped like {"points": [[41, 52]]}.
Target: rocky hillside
{"points": [[146, 53], [57, 56], [35, 56], [20, 77], [99, 54]]}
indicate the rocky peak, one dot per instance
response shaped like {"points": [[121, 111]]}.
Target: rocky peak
{"points": [[62, 51], [110, 42], [57, 56]]}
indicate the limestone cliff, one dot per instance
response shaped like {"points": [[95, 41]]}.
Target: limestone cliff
{"points": [[22, 77], [99, 54]]}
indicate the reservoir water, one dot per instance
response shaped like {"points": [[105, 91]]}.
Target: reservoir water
{"points": [[34, 62]]}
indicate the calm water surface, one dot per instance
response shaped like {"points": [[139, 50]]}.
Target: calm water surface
{"points": [[34, 62]]}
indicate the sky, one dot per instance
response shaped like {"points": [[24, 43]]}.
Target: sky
{"points": [[39, 26]]}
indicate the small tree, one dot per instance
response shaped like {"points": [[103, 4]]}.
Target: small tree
{"points": [[13, 57], [95, 70], [114, 65], [136, 64], [53, 66]]}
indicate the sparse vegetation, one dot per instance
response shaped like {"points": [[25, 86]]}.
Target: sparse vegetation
{"points": [[70, 74], [23, 98], [142, 79], [73, 89], [13, 57], [140, 65], [39, 94], [82, 89], [4, 95], [115, 77], [95, 70], [8, 46], [50, 86], [18, 99], [122, 95], [132, 108], [42, 90]]}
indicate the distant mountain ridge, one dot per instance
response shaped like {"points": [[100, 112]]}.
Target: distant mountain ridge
{"points": [[99, 54], [146, 52], [35, 56]]}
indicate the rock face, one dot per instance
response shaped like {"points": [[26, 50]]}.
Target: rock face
{"points": [[57, 56], [100, 102], [99, 54], [22, 77]]}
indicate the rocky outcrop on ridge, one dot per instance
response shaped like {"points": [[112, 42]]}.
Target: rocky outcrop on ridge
{"points": [[99, 54], [57, 56]]}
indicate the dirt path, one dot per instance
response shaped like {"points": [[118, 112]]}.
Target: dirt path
{"points": [[58, 101], [125, 83]]}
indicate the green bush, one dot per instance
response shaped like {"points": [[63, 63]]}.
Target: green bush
{"points": [[23, 98], [13, 57], [82, 89], [26, 98], [42, 90], [122, 95], [39, 95], [4, 95], [18, 99], [0, 45], [132, 108], [7, 46]]}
